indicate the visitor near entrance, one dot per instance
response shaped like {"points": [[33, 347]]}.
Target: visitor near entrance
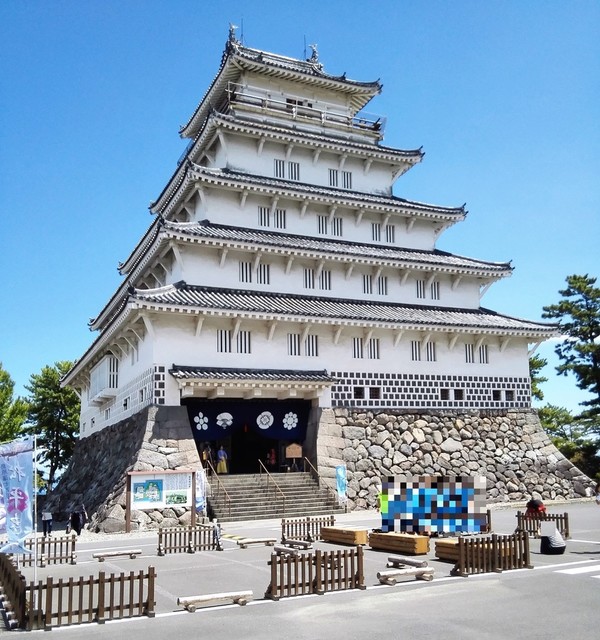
{"points": [[47, 523], [221, 460]]}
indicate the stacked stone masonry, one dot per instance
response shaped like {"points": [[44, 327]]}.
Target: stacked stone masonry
{"points": [[509, 448]]}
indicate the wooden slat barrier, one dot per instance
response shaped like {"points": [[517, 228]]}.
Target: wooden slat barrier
{"points": [[59, 550], [13, 592], [308, 528], [186, 539], [55, 603], [493, 553], [318, 572], [532, 524]]}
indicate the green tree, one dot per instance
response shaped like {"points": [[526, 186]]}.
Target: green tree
{"points": [[13, 411], [54, 417], [578, 316], [574, 437], [536, 364]]}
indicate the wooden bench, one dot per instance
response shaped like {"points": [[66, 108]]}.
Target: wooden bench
{"points": [[244, 542], [391, 576], [132, 553], [191, 603], [298, 544], [280, 550], [341, 535], [398, 562], [410, 543], [447, 549]]}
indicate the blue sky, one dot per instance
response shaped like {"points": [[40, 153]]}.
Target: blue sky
{"points": [[504, 97]]}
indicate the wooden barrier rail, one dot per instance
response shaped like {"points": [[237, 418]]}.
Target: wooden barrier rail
{"points": [[532, 523], [13, 592], [493, 553], [61, 602], [318, 572], [186, 539], [308, 528], [59, 550]]}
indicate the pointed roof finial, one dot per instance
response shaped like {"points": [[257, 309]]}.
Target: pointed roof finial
{"points": [[232, 38], [315, 54]]}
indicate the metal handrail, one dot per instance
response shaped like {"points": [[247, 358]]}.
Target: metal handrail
{"points": [[220, 486], [315, 474], [272, 479]]}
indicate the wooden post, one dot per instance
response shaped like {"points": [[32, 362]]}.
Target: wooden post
{"points": [[128, 505], [150, 603], [193, 514], [100, 619]]}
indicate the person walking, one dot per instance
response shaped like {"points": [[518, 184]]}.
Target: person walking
{"points": [[221, 460], [78, 519], [47, 523]]}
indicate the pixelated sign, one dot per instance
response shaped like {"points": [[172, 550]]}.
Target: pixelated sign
{"points": [[433, 504]]}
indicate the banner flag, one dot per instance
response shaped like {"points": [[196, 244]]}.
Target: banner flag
{"points": [[16, 480], [342, 484], [202, 489]]}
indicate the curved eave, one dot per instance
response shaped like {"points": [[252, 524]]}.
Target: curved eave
{"points": [[157, 300], [234, 63], [195, 174]]}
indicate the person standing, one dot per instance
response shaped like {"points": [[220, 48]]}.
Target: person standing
{"points": [[47, 523], [221, 460], [78, 519]]}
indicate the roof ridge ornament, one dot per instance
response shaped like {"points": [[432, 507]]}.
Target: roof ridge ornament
{"points": [[232, 41], [314, 58]]}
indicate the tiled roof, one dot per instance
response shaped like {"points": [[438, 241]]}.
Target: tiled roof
{"points": [[341, 196], [352, 250], [221, 373], [300, 307]]}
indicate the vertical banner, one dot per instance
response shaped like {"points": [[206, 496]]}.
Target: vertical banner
{"points": [[342, 483], [16, 478], [201, 491]]}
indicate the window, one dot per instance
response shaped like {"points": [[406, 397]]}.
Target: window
{"points": [[325, 280], [263, 274], [347, 179], [141, 395], [375, 393], [294, 171], [309, 278], [430, 352], [223, 341], [107, 413], [415, 349], [336, 227], [279, 169], [243, 342], [444, 394], [245, 271], [126, 403], [293, 340], [435, 290], [496, 395], [264, 217], [357, 348], [323, 224], [459, 394], [311, 346], [376, 231], [280, 219], [333, 177], [359, 393], [382, 285], [509, 395], [367, 283], [373, 348], [483, 354], [420, 288], [390, 233], [470, 353], [92, 423]]}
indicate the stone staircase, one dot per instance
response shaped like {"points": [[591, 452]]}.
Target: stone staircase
{"points": [[252, 500]]}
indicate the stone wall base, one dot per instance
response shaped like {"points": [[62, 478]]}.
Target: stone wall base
{"points": [[155, 439], [509, 448]]}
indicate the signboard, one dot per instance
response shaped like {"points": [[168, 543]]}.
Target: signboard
{"points": [[293, 451], [161, 490]]}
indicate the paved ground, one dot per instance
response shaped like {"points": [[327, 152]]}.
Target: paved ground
{"points": [[439, 606]]}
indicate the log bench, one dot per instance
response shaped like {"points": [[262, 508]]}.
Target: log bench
{"points": [[280, 550], [410, 543], [132, 553], [398, 562], [191, 603], [391, 576], [298, 544], [244, 542], [341, 535]]}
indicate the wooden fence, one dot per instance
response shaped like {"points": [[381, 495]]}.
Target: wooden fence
{"points": [[12, 588], [186, 539], [318, 572], [492, 553], [53, 603], [532, 524], [58, 550], [308, 528]]}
